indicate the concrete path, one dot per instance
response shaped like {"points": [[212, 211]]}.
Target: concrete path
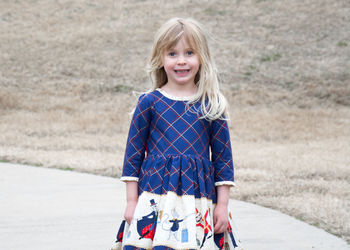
{"points": [[49, 209]]}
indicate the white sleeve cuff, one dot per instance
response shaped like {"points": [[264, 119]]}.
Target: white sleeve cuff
{"points": [[228, 183], [129, 178]]}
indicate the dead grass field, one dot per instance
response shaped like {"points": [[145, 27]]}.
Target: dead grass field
{"points": [[68, 69]]}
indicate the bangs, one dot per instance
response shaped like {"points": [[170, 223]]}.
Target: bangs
{"points": [[175, 34]]}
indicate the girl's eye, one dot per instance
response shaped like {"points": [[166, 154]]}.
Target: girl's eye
{"points": [[190, 53], [171, 53]]}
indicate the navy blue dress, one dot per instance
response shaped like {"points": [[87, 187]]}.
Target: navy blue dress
{"points": [[178, 160]]}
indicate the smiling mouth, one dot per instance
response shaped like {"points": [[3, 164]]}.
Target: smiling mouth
{"points": [[182, 71]]}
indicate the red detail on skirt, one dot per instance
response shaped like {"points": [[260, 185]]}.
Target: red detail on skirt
{"points": [[120, 236], [221, 243], [148, 234]]}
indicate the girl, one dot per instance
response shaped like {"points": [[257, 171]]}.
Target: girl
{"points": [[178, 163]]}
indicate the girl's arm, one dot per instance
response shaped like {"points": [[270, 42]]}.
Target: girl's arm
{"points": [[221, 153], [221, 156], [131, 200], [137, 139], [221, 210]]}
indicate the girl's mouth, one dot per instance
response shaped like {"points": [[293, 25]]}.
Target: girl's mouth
{"points": [[182, 71]]}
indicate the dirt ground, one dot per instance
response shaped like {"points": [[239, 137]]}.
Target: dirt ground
{"points": [[69, 69]]}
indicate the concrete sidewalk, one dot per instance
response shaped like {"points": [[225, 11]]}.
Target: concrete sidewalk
{"points": [[52, 209]]}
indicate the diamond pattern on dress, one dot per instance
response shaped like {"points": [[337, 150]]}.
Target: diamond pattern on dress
{"points": [[170, 149]]}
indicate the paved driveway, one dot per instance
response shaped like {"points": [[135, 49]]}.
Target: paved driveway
{"points": [[51, 209]]}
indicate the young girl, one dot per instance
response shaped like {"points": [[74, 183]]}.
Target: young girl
{"points": [[178, 162]]}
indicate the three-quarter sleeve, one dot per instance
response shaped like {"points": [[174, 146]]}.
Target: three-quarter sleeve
{"points": [[221, 153], [137, 139]]}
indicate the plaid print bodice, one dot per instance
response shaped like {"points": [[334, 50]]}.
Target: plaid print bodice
{"points": [[170, 149]]}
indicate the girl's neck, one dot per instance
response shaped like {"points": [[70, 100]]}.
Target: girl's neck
{"points": [[180, 91]]}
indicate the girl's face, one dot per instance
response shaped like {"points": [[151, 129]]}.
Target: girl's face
{"points": [[181, 64]]}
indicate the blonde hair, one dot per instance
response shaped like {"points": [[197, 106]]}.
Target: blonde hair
{"points": [[213, 103]]}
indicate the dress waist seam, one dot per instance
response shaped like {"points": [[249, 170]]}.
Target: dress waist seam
{"points": [[154, 156]]}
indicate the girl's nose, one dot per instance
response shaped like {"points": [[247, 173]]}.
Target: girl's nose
{"points": [[181, 60]]}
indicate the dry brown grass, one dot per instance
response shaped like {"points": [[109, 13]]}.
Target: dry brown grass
{"points": [[68, 68]]}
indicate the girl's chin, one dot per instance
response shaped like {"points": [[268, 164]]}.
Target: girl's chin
{"points": [[183, 82]]}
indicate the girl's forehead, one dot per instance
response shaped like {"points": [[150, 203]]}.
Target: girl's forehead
{"points": [[181, 43], [184, 41]]}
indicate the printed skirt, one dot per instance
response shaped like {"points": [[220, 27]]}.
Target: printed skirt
{"points": [[171, 221]]}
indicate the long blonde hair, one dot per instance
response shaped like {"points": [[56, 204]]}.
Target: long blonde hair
{"points": [[213, 103]]}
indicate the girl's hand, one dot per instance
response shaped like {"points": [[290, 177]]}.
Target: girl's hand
{"points": [[220, 218], [129, 211], [131, 200], [221, 210]]}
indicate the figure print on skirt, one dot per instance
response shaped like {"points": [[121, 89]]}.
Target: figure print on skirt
{"points": [[146, 226]]}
